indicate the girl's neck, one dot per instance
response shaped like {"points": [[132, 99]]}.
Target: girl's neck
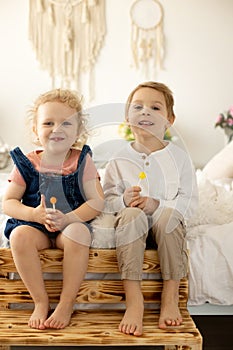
{"points": [[54, 159]]}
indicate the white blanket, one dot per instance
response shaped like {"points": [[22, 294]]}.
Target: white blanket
{"points": [[211, 264]]}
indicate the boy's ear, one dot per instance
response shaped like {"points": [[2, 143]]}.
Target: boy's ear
{"points": [[34, 129], [172, 119]]}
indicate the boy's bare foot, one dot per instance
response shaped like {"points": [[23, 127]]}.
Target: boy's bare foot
{"points": [[170, 313], [39, 316], [61, 316], [132, 321]]}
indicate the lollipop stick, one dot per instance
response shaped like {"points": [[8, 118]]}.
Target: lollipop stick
{"points": [[53, 201], [141, 176]]}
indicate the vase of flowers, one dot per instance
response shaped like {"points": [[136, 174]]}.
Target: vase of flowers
{"points": [[225, 121]]}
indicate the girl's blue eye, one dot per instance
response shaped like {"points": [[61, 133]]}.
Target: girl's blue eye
{"points": [[137, 107]]}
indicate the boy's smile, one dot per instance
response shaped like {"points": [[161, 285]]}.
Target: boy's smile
{"points": [[148, 114]]}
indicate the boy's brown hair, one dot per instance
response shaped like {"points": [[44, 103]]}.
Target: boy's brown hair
{"points": [[159, 87]]}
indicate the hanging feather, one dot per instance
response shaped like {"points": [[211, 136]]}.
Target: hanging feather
{"points": [[147, 43], [67, 36]]}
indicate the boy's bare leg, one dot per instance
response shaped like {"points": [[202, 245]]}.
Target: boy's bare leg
{"points": [[25, 242], [75, 264], [169, 312], [132, 322]]}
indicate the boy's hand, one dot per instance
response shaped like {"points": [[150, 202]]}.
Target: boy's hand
{"points": [[55, 220], [131, 194], [147, 204]]}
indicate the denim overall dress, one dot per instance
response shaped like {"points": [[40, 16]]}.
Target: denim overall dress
{"points": [[67, 189]]}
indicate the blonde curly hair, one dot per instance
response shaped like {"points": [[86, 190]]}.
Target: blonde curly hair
{"points": [[71, 99]]}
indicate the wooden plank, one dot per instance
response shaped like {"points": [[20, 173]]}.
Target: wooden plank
{"points": [[95, 328], [100, 261], [91, 291]]}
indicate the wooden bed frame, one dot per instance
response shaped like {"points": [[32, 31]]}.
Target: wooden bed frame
{"points": [[95, 325]]}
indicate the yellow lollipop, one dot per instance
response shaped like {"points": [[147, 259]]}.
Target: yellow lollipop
{"points": [[53, 201], [141, 176]]}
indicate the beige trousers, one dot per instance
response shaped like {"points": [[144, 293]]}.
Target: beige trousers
{"points": [[165, 229]]}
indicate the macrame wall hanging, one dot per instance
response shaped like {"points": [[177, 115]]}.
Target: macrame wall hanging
{"points": [[67, 36], [147, 42]]}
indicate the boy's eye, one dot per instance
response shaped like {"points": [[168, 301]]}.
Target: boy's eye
{"points": [[66, 123], [155, 108]]}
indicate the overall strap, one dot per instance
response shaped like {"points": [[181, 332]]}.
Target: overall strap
{"points": [[24, 165], [85, 150]]}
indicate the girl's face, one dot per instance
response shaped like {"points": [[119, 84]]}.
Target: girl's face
{"points": [[147, 114], [56, 126]]}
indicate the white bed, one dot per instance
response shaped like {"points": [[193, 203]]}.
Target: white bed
{"points": [[210, 242]]}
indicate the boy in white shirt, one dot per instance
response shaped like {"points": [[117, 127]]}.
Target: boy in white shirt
{"points": [[151, 189]]}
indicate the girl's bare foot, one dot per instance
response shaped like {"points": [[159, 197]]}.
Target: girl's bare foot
{"points": [[61, 316], [39, 316]]}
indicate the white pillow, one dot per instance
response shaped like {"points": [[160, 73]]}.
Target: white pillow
{"points": [[221, 165]]}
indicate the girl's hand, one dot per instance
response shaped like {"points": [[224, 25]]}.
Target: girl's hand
{"points": [[39, 213], [131, 194], [55, 220], [147, 204]]}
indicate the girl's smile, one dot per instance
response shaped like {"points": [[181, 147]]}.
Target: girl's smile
{"points": [[57, 127]]}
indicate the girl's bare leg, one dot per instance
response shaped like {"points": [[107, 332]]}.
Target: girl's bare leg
{"points": [[25, 242], [75, 241], [132, 322], [170, 313]]}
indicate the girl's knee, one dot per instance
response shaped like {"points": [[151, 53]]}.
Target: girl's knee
{"points": [[78, 233], [20, 237]]}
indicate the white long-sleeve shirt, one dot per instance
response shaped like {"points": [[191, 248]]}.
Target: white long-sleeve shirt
{"points": [[170, 178]]}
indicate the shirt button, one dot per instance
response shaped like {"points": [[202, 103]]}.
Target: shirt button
{"points": [[143, 157], [147, 163]]}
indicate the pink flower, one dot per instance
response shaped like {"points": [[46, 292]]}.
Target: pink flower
{"points": [[231, 111], [230, 122], [219, 118]]}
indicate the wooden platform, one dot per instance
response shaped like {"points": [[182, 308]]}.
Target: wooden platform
{"points": [[96, 323]]}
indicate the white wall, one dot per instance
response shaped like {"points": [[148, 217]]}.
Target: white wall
{"points": [[198, 68]]}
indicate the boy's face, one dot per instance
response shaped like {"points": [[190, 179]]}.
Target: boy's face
{"points": [[147, 114]]}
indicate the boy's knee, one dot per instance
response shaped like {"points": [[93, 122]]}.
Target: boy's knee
{"points": [[168, 220], [131, 224], [129, 214]]}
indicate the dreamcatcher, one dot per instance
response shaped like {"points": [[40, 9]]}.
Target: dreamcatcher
{"points": [[147, 42], [67, 36]]}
